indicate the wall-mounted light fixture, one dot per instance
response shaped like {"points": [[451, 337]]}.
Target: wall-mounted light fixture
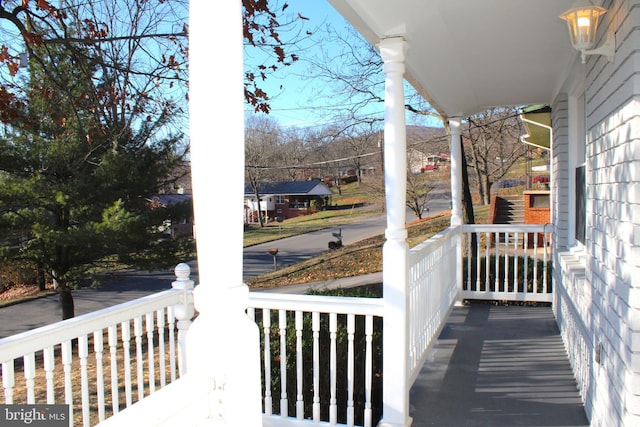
{"points": [[582, 20]]}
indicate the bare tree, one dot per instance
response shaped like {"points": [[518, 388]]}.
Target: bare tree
{"points": [[360, 141], [262, 140], [419, 192], [494, 146], [352, 67], [293, 154], [136, 53]]}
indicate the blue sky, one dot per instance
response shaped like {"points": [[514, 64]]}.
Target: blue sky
{"points": [[302, 102], [293, 105]]}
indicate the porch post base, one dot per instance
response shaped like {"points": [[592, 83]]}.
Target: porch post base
{"points": [[384, 423]]}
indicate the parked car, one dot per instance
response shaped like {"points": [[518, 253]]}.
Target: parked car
{"points": [[540, 179], [426, 168], [508, 183]]}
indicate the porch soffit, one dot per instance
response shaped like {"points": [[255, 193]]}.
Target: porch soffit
{"points": [[468, 55]]}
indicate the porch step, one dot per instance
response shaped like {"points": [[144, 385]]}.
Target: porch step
{"points": [[509, 210]]}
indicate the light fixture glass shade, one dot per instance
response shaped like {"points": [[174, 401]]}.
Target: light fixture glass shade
{"points": [[582, 20]]}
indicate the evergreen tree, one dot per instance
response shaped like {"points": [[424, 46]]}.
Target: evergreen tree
{"points": [[77, 173]]}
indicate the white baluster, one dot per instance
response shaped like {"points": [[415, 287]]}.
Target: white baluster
{"points": [[299, 367], [67, 356], [477, 262], [8, 381], [98, 348], [161, 350], [30, 377], [545, 285], [506, 262], [83, 355], [535, 263], [150, 326], [137, 332], [284, 401], [49, 364], [368, 371], [333, 402], [469, 261], [525, 238], [266, 327], [113, 356], [496, 283], [315, 327], [487, 261], [351, 329], [171, 319], [516, 271], [126, 348]]}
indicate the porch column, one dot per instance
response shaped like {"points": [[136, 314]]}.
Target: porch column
{"points": [[456, 172], [223, 345], [395, 251]]}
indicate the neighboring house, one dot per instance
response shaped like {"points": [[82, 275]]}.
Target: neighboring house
{"points": [[182, 226], [287, 199], [416, 160]]}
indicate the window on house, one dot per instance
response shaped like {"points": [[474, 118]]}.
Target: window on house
{"points": [[577, 170], [280, 200], [581, 203]]}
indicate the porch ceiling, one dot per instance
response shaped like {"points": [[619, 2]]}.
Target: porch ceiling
{"points": [[467, 55]]}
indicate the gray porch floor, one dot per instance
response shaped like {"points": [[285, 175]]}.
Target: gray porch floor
{"points": [[498, 366]]}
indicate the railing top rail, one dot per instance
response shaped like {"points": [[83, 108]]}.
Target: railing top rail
{"points": [[27, 342], [436, 240], [524, 228], [317, 303]]}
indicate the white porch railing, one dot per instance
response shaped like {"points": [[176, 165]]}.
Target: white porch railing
{"points": [[509, 262], [433, 287], [321, 360], [322, 357], [140, 343]]}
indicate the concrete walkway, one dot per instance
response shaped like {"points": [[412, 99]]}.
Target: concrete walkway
{"points": [[496, 366]]}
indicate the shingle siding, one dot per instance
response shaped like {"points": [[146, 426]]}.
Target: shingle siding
{"points": [[559, 164], [599, 311]]}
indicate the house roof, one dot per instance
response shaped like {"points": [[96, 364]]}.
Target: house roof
{"points": [[173, 199], [290, 188], [466, 56], [537, 122]]}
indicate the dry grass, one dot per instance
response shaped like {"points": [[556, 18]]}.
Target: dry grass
{"points": [[93, 368], [18, 293], [356, 259]]}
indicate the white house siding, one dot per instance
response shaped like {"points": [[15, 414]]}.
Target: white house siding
{"points": [[560, 161], [599, 310], [572, 300]]}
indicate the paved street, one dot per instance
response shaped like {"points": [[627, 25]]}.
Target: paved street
{"points": [[257, 259]]}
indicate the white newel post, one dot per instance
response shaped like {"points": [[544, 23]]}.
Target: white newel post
{"points": [[223, 343], [184, 311], [395, 251], [456, 173]]}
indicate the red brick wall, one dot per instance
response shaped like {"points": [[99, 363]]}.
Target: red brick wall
{"points": [[536, 215]]}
